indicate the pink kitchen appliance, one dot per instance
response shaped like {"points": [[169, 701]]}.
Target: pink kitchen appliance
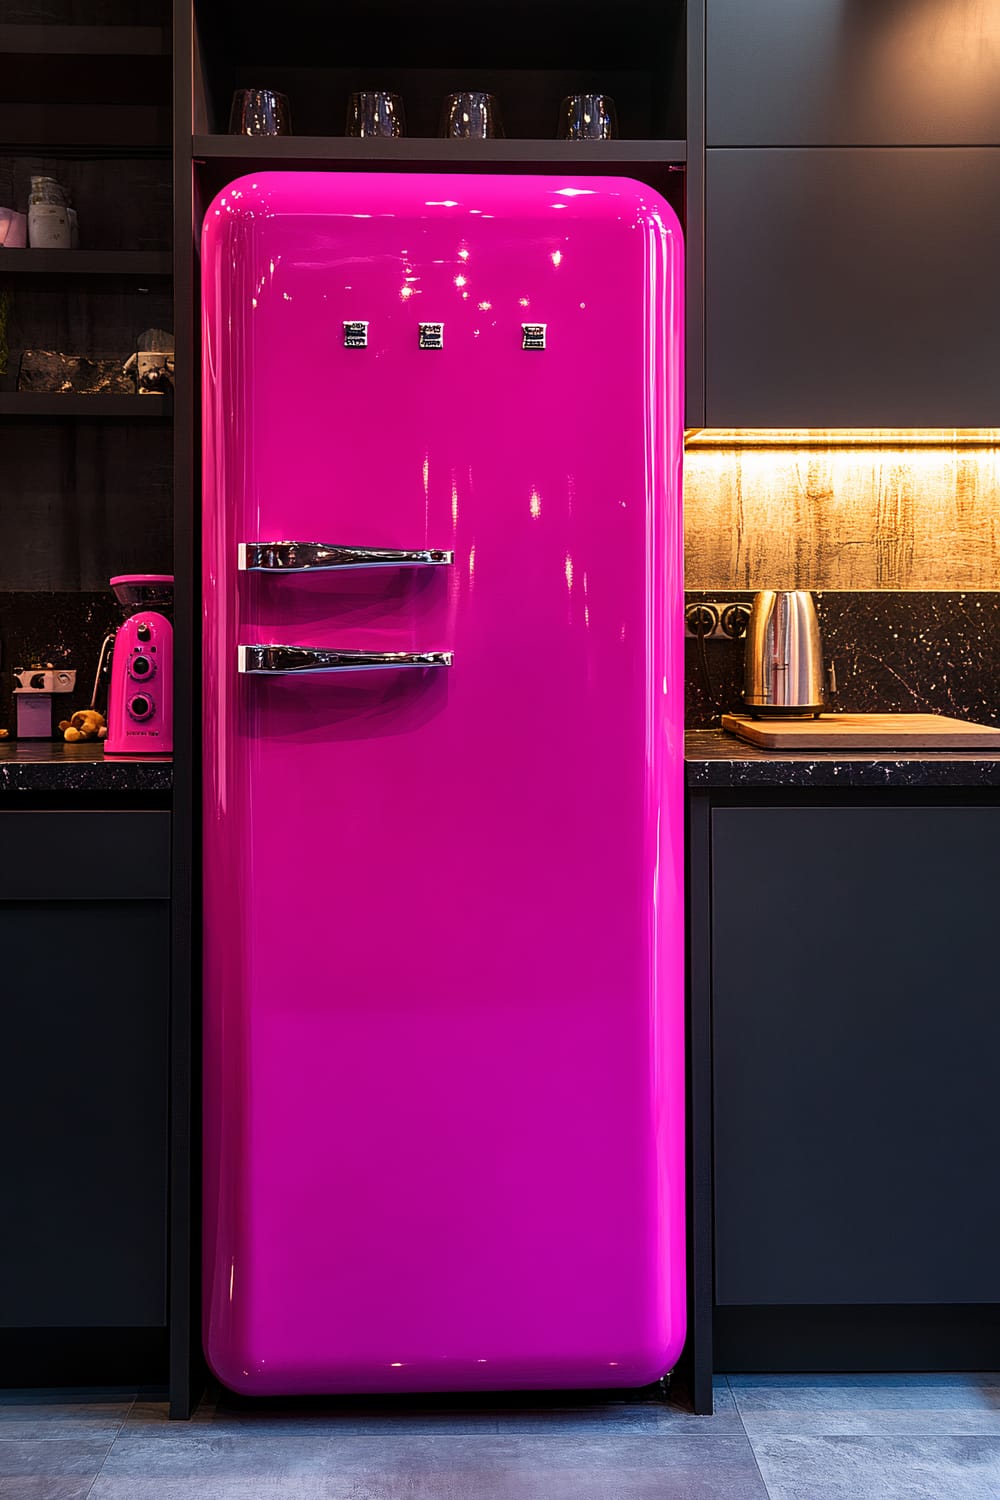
{"points": [[141, 689], [443, 820]]}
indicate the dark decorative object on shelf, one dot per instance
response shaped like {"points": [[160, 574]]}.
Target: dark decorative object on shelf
{"points": [[44, 370], [152, 365]]}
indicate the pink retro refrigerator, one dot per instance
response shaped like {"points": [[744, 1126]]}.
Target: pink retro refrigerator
{"points": [[443, 783]]}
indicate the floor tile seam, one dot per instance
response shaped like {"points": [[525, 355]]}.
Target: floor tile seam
{"points": [[756, 1464], [118, 1432], [71, 1437], [915, 1424], [749, 1439], [100, 1471]]}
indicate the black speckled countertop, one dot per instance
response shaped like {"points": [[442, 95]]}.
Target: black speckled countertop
{"points": [[718, 760], [41, 766]]}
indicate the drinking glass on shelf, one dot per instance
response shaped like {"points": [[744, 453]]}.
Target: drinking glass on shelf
{"points": [[471, 116], [374, 112], [587, 117], [260, 112]]}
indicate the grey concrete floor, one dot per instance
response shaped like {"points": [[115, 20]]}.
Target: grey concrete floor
{"points": [[868, 1437]]}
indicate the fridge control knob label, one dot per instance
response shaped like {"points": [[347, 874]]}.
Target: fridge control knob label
{"points": [[432, 335], [355, 335], [533, 335]]}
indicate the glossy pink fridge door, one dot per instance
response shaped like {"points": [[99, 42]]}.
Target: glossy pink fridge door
{"points": [[443, 906]]}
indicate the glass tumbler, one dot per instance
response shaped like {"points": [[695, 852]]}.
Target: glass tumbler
{"points": [[471, 117], [260, 112], [374, 112], [587, 117]]}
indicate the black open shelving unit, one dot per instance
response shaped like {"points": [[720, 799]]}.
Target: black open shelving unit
{"points": [[88, 481], [90, 104]]}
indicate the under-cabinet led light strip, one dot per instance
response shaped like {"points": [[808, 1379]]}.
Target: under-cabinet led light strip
{"points": [[842, 437]]}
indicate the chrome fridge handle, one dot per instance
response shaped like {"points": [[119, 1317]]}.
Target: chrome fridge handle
{"points": [[305, 557], [271, 660]]}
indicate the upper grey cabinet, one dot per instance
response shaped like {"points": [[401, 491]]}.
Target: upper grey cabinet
{"points": [[850, 288], [853, 72]]}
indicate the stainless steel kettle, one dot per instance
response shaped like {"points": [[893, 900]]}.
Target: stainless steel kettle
{"points": [[784, 656]]}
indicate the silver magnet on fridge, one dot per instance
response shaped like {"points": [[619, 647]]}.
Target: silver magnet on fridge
{"points": [[355, 335], [432, 335], [533, 335]]}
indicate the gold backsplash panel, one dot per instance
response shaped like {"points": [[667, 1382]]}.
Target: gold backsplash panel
{"points": [[842, 518]]}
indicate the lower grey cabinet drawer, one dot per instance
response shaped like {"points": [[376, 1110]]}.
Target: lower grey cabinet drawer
{"points": [[83, 1113], [84, 1067], [84, 855]]}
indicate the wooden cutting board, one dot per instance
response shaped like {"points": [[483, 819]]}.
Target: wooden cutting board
{"points": [[864, 732]]}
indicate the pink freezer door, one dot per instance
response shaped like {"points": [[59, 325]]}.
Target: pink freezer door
{"points": [[443, 904]]}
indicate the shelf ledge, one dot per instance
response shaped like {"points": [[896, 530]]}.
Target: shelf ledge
{"points": [[131, 263], [42, 40], [261, 151], [58, 405]]}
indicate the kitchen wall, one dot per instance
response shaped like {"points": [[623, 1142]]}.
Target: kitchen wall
{"points": [[851, 517], [82, 501], [901, 543]]}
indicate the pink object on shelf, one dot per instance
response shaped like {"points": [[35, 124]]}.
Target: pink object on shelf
{"points": [[141, 690], [13, 229], [444, 1060]]}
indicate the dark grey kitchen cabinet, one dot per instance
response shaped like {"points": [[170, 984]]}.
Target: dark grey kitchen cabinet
{"points": [[83, 1068], [853, 73], [856, 1026], [853, 288]]}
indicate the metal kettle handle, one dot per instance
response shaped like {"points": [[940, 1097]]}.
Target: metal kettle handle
{"points": [[106, 645]]}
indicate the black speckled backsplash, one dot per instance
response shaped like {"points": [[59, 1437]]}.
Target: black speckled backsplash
{"points": [[894, 652], [65, 629]]}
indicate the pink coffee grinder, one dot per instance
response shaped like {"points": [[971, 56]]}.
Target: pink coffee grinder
{"points": [[141, 691]]}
